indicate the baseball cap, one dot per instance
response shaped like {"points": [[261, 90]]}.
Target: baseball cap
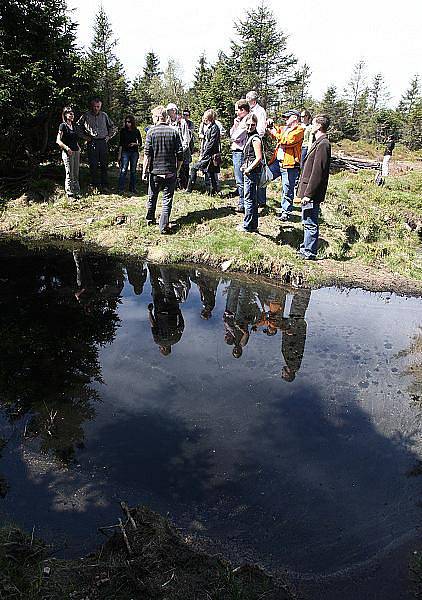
{"points": [[290, 113], [171, 106]]}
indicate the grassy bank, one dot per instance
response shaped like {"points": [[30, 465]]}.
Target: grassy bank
{"points": [[369, 236], [146, 558]]}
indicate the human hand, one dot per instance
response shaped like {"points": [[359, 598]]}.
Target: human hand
{"points": [[69, 152]]}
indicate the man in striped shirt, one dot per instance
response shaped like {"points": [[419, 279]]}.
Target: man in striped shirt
{"points": [[163, 157]]}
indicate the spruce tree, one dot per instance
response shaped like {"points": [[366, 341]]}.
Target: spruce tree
{"points": [[411, 96], [143, 95], [39, 73], [106, 70], [260, 56]]}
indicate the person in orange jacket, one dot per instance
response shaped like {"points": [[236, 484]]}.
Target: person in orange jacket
{"points": [[285, 162]]}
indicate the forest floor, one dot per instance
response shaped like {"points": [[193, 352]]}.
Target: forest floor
{"points": [[370, 236]]}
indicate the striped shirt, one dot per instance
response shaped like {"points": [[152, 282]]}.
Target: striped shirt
{"points": [[163, 147]]}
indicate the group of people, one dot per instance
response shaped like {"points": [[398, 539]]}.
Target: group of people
{"points": [[301, 159]]}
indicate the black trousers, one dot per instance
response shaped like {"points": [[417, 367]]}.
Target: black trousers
{"points": [[98, 157]]}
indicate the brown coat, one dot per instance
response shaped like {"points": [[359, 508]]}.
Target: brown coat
{"points": [[313, 180]]}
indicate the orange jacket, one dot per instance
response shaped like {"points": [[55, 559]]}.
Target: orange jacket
{"points": [[291, 142]]}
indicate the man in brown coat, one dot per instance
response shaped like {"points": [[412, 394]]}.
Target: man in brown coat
{"points": [[313, 186]]}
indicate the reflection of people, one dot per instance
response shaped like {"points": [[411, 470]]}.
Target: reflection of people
{"points": [[137, 277], [241, 312], [165, 316], [271, 318], [89, 289], [294, 334], [207, 289]]}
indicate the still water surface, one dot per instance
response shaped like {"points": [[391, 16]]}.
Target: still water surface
{"points": [[275, 425]]}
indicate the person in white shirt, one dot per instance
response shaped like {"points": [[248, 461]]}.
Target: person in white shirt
{"points": [[261, 115]]}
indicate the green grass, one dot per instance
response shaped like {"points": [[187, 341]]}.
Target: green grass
{"points": [[362, 227]]}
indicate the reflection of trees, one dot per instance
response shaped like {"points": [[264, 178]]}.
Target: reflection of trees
{"points": [[3, 483], [49, 347], [414, 368]]}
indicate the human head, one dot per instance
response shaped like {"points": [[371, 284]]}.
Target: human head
{"points": [[172, 111], [242, 108], [292, 117], [96, 105], [237, 352], [321, 123], [252, 98], [130, 122], [287, 374], [209, 116], [186, 113], [68, 110], [305, 117], [159, 114], [251, 122]]}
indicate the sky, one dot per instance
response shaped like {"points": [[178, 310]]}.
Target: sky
{"points": [[330, 36]]}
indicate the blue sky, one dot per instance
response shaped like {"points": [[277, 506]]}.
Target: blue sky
{"points": [[329, 36]]}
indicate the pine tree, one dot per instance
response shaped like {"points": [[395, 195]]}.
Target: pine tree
{"points": [[106, 70], [260, 56], [199, 95]]}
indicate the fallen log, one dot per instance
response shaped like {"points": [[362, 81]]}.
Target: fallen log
{"points": [[350, 163]]}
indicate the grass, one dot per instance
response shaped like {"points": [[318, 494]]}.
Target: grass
{"points": [[364, 236]]}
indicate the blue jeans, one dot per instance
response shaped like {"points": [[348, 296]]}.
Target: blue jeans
{"points": [[132, 159], [309, 246], [238, 175], [250, 222], [289, 179]]}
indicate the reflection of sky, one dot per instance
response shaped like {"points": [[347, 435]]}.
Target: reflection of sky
{"points": [[317, 465]]}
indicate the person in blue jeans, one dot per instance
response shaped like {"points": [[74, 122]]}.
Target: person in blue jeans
{"points": [[251, 167], [238, 136], [313, 186], [128, 155], [287, 157]]}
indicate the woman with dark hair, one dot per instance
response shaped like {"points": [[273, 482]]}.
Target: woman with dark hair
{"points": [[67, 140], [129, 146], [210, 157]]}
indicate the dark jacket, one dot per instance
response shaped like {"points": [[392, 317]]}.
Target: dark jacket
{"points": [[316, 170], [210, 147]]}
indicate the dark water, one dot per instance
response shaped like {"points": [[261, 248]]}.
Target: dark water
{"points": [[275, 425]]}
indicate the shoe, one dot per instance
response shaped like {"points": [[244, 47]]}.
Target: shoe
{"points": [[105, 190], [283, 217], [151, 222], [303, 256], [167, 231]]}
